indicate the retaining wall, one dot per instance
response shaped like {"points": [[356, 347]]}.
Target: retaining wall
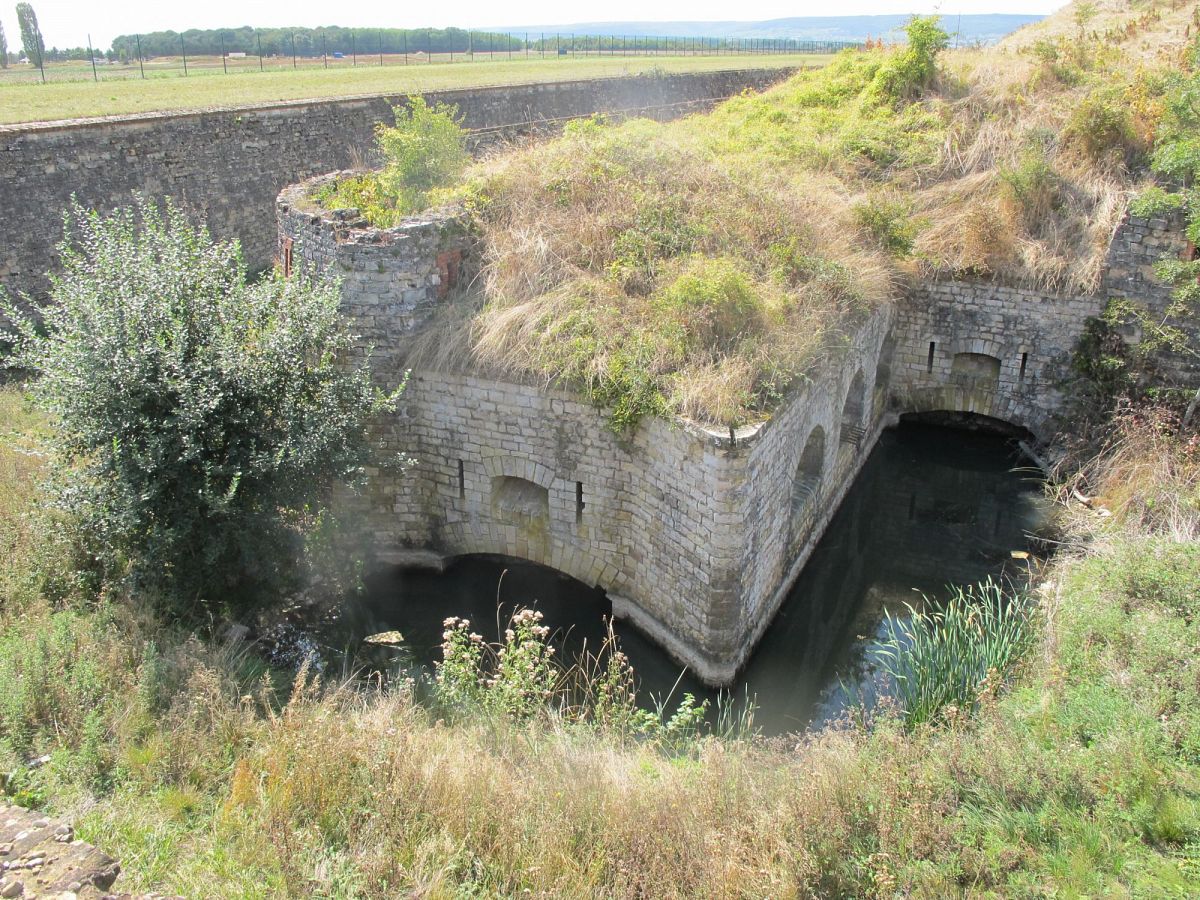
{"points": [[229, 164]]}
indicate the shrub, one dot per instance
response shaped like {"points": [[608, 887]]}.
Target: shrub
{"points": [[1154, 202], [200, 411], [1029, 190], [888, 220], [948, 657], [425, 150], [1100, 127], [910, 71], [714, 303]]}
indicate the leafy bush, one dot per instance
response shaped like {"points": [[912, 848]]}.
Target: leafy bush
{"points": [[888, 220], [198, 411], [1029, 191], [948, 657], [910, 71], [1154, 202], [714, 302], [425, 150], [1100, 127]]}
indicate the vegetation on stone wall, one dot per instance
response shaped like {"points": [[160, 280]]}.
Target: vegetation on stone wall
{"points": [[424, 150], [1011, 163]]}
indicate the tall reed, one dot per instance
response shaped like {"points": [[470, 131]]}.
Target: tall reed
{"points": [[946, 658]]}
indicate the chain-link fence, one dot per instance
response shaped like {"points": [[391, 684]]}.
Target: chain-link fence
{"points": [[245, 50]]}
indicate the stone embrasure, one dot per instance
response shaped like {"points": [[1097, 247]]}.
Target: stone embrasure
{"points": [[695, 534]]}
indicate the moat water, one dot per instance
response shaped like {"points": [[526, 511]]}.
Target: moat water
{"points": [[931, 507]]}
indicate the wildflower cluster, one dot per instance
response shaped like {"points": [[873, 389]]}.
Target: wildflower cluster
{"points": [[520, 678]]}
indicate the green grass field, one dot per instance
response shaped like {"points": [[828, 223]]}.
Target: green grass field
{"points": [[23, 101]]}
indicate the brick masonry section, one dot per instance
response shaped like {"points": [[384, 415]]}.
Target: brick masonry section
{"points": [[230, 164]]}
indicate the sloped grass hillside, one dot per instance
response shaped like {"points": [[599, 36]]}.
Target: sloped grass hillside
{"points": [[210, 775], [697, 267], [637, 263]]}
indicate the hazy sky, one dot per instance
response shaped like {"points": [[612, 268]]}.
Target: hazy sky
{"points": [[67, 23]]}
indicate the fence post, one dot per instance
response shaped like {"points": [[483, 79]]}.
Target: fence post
{"points": [[293, 49], [258, 42], [224, 64], [183, 50], [353, 52], [381, 48], [404, 38], [141, 64], [324, 49]]}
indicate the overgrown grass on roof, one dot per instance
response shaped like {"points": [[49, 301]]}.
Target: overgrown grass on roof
{"points": [[799, 208]]}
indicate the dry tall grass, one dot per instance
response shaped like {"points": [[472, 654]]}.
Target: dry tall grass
{"points": [[1015, 165]]}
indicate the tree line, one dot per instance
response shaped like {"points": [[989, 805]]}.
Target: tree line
{"points": [[311, 41]]}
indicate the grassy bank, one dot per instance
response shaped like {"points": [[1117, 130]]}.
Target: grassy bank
{"points": [[208, 776], [22, 102]]}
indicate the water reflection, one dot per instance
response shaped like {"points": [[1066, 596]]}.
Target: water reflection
{"points": [[931, 506]]}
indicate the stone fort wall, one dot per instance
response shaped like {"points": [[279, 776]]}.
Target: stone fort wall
{"points": [[229, 164], [695, 534], [1005, 352]]}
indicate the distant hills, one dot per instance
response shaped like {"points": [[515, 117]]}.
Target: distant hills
{"points": [[969, 29]]}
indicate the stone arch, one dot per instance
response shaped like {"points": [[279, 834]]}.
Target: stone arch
{"points": [[569, 557], [985, 346], [883, 366], [504, 466], [974, 371], [806, 484], [854, 412]]}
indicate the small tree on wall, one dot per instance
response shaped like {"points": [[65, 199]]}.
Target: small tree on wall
{"points": [[31, 34], [200, 413]]}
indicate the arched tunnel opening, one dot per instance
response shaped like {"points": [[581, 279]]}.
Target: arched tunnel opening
{"points": [[395, 623], [969, 421]]}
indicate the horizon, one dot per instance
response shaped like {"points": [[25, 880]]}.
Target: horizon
{"points": [[75, 23]]}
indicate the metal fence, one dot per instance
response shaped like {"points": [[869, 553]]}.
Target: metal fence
{"points": [[337, 48]]}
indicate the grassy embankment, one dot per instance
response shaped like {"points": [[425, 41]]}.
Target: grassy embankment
{"points": [[33, 102], [700, 267], [209, 779], [1079, 777]]}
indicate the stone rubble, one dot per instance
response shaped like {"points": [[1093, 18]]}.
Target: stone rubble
{"points": [[41, 859]]}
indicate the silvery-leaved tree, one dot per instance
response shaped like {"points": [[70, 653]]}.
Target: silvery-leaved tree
{"points": [[199, 412]]}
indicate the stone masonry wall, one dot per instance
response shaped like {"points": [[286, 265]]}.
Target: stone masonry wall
{"points": [[695, 534], [1031, 334], [229, 164], [690, 531], [391, 278], [1136, 247]]}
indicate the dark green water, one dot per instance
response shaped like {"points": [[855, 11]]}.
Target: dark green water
{"points": [[932, 506]]}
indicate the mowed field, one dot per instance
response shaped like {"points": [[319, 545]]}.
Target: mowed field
{"points": [[121, 91]]}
